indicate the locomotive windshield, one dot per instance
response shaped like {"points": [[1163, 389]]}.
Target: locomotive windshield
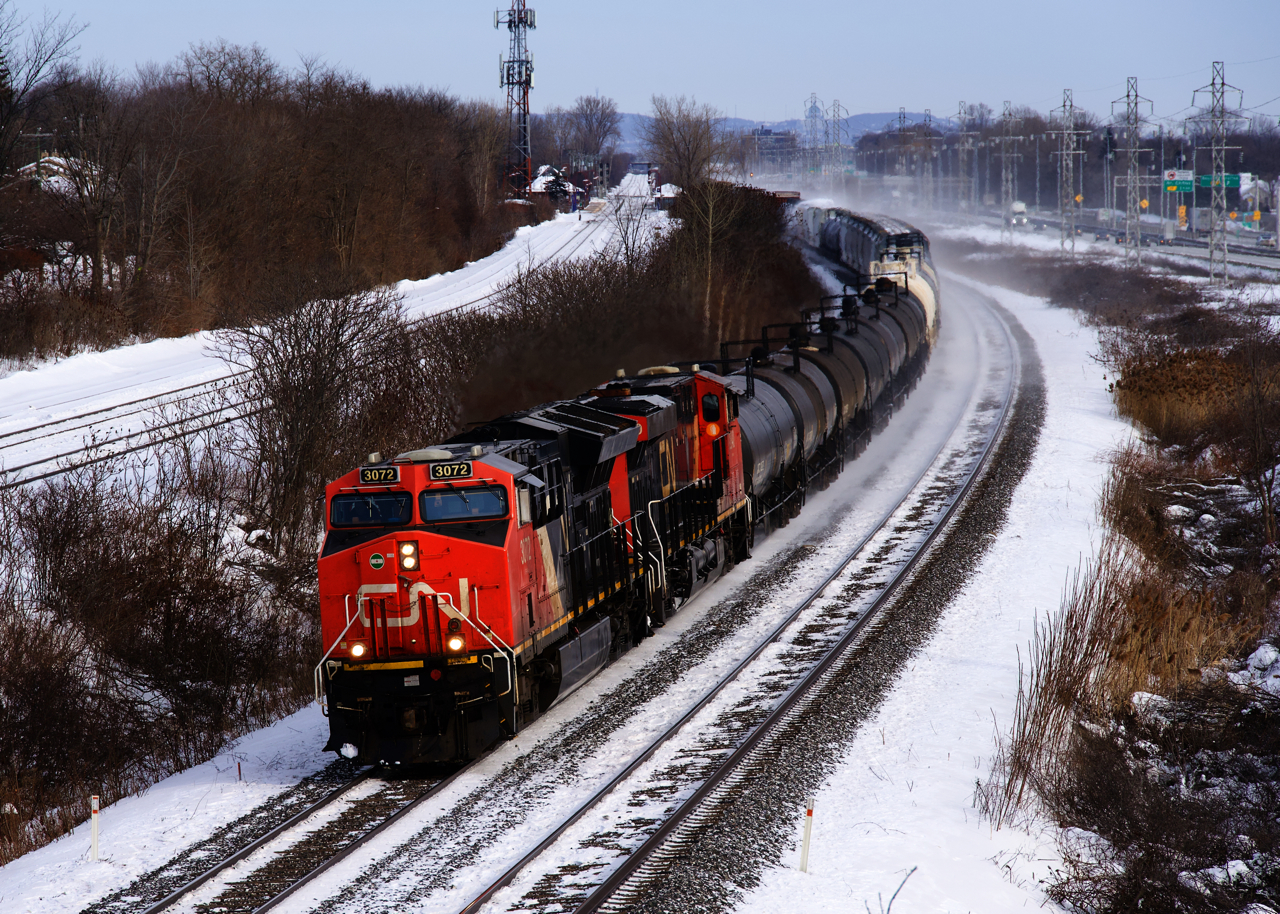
{"points": [[465, 503], [366, 510]]}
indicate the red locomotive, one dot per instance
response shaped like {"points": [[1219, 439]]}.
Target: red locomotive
{"points": [[468, 587]]}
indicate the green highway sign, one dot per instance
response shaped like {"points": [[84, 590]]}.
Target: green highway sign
{"points": [[1179, 180], [1227, 180]]}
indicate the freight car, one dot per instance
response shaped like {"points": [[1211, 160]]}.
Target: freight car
{"points": [[467, 588]]}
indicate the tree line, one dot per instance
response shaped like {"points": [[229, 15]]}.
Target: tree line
{"points": [[177, 198]]}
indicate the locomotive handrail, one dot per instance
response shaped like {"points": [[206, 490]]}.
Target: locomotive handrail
{"points": [[510, 660], [346, 608]]}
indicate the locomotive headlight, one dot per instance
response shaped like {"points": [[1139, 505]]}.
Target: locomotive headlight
{"points": [[408, 556], [713, 430], [357, 650], [456, 643]]}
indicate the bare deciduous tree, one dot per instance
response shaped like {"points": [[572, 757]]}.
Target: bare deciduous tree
{"points": [[711, 208], [331, 377], [29, 54], [593, 122], [685, 138], [100, 135]]}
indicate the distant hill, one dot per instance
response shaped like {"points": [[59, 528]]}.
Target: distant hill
{"points": [[855, 126]]}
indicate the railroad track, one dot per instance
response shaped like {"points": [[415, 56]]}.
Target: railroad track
{"points": [[623, 808], [728, 751], [117, 443], [264, 857]]}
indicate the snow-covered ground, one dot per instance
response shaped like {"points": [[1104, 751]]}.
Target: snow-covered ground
{"points": [[141, 832], [904, 796], [91, 382]]}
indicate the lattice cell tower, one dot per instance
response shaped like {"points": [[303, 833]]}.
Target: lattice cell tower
{"points": [[516, 74]]}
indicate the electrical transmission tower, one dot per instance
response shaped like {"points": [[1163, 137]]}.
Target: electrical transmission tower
{"points": [[1217, 117], [1008, 124], [815, 132], [1067, 152], [836, 123], [1133, 180], [964, 187], [516, 75]]}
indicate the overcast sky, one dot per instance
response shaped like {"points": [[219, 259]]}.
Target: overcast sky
{"points": [[752, 59]]}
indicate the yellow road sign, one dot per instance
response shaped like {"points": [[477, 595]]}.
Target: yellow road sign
{"points": [[1079, 198], [1257, 215], [1232, 215], [1143, 204], [1182, 216]]}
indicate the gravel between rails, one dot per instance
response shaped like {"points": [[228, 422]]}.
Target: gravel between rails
{"points": [[753, 833], [463, 834], [153, 887]]}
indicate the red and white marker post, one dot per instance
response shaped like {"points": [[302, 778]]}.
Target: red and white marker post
{"points": [[808, 830], [93, 828]]}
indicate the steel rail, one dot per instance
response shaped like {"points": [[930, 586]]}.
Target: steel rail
{"points": [[772, 637], [222, 866], [790, 703], [366, 837]]}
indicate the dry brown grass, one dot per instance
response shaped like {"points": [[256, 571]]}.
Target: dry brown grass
{"points": [[1126, 625], [1179, 395]]}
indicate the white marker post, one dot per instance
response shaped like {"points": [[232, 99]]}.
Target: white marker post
{"points": [[804, 844], [93, 830]]}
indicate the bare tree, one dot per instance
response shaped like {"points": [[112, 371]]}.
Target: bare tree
{"points": [[484, 131], [232, 72], [710, 208], [593, 122], [330, 379], [551, 136], [29, 54], [685, 138], [100, 136]]}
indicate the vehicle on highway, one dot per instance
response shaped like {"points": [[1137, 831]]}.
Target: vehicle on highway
{"points": [[467, 587], [1266, 240]]}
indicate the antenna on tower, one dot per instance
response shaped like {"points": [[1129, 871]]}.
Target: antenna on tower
{"points": [[515, 72]]}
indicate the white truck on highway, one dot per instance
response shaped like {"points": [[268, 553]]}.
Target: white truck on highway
{"points": [[1017, 215]]}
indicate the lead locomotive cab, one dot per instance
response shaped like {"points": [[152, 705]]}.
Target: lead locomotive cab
{"points": [[413, 668]]}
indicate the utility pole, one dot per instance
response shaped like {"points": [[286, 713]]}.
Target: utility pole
{"points": [[1037, 172], [927, 179], [1067, 152], [516, 75], [1133, 182], [1008, 123], [1217, 118]]}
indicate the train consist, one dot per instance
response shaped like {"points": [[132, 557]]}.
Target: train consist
{"points": [[468, 587]]}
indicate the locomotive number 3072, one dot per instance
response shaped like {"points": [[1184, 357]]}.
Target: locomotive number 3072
{"points": [[450, 470]]}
